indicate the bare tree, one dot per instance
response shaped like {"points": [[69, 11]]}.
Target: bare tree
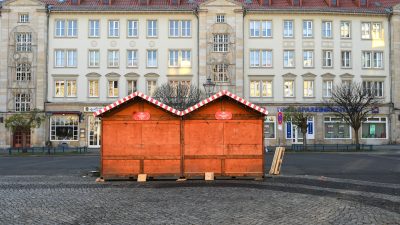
{"points": [[352, 102], [298, 118], [179, 96]]}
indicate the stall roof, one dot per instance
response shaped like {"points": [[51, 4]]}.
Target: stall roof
{"points": [[229, 94], [133, 96]]}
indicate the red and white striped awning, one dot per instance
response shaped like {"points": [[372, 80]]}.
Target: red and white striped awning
{"points": [[133, 96], [229, 94]]}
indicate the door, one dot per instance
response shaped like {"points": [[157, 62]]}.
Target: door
{"points": [[22, 139], [297, 137], [94, 132]]}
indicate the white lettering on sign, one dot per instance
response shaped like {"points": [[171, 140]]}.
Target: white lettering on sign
{"points": [[92, 108]]}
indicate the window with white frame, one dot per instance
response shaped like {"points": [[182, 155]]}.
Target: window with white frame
{"points": [[371, 30], [94, 58], [113, 28], [152, 58], [327, 29], [308, 58], [261, 88], [346, 59], [336, 128], [376, 31], [64, 127], [365, 30], [221, 73], [186, 28], [327, 87], [65, 88], [65, 58], [288, 88], [288, 58], [23, 72], [23, 18], [308, 88], [60, 28], [220, 18], [151, 87], [374, 127], [132, 58], [72, 28], [179, 58], [345, 29], [59, 88], [174, 28], [151, 28], [374, 88], [66, 28], [23, 42], [94, 28], [133, 26], [132, 86], [93, 88], [22, 102], [113, 89], [180, 28], [260, 58], [173, 58], [260, 28], [113, 58], [327, 58], [307, 28], [221, 42], [288, 29], [372, 59], [270, 127], [185, 58]]}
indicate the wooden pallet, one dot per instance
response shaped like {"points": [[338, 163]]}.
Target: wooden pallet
{"points": [[277, 161]]}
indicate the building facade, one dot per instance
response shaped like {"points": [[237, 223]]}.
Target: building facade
{"points": [[273, 53]]}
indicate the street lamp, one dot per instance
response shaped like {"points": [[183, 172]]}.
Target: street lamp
{"points": [[209, 87]]}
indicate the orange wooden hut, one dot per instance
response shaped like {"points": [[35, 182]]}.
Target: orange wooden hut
{"points": [[140, 136], [224, 134]]}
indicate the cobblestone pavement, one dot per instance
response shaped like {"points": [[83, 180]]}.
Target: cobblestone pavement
{"points": [[73, 199]]}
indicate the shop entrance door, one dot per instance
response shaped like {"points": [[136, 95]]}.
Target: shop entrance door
{"points": [[94, 132], [21, 139], [297, 136]]}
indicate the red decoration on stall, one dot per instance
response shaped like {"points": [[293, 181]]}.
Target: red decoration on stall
{"points": [[223, 115], [141, 116]]}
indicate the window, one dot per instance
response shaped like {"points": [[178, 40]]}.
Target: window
{"points": [[345, 29], [93, 88], [22, 102], [366, 30], [133, 26], [260, 28], [221, 73], [376, 31], [220, 43], [184, 85], [23, 42], [151, 28], [220, 18], [327, 87], [23, 18], [64, 128], [179, 28], [66, 28], [113, 58], [151, 87], [288, 58], [65, 58], [371, 30], [132, 86], [346, 59], [288, 29], [308, 88], [307, 28], [72, 28], [60, 28], [65, 88], [152, 58], [113, 88], [308, 58], [94, 28], [327, 58], [23, 71], [374, 127], [179, 58], [113, 28], [336, 128], [372, 59], [260, 58], [288, 87], [373, 88], [327, 29], [132, 58], [269, 127], [94, 58], [261, 88]]}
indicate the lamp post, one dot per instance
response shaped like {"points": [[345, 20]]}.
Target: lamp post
{"points": [[209, 87]]}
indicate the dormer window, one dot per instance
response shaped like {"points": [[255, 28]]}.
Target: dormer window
{"points": [[220, 18], [24, 18]]}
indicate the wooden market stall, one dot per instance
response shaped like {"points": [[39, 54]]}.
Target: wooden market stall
{"points": [[140, 136]]}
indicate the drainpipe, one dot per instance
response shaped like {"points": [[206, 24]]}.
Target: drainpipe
{"points": [[244, 54], [47, 134], [198, 47], [389, 13]]}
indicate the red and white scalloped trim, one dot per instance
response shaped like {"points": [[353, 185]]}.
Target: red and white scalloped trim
{"points": [[132, 96]]}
